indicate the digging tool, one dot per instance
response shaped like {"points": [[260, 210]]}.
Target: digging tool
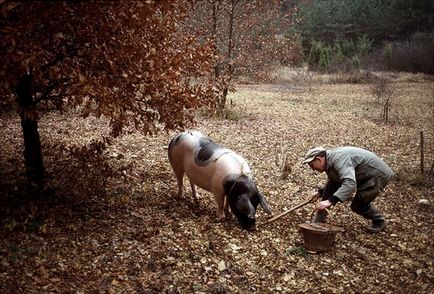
{"points": [[286, 212]]}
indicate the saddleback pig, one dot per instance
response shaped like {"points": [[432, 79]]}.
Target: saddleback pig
{"points": [[218, 170]]}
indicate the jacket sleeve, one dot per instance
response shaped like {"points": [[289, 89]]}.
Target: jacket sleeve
{"points": [[346, 174]]}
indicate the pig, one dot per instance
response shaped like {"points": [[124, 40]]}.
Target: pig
{"points": [[218, 170]]}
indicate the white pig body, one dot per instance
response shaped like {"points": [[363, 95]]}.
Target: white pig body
{"points": [[217, 170]]}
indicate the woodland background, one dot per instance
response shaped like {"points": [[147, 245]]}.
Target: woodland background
{"points": [[92, 91]]}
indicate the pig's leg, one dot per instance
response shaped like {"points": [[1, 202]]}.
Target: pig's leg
{"points": [[180, 187], [220, 206], [194, 191], [179, 173]]}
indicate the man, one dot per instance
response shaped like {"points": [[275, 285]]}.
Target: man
{"points": [[349, 170]]}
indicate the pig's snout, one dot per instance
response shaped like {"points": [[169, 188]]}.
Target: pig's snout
{"points": [[251, 225]]}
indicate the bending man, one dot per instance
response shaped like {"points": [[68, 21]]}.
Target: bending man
{"points": [[349, 170]]}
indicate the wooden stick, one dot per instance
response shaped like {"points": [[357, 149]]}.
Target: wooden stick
{"points": [[422, 171], [285, 213]]}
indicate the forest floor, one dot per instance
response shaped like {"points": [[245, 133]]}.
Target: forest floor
{"points": [[133, 236]]}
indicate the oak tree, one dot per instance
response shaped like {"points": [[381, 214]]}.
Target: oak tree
{"points": [[124, 60]]}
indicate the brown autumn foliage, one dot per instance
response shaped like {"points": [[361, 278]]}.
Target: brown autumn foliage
{"points": [[109, 222], [145, 64], [124, 60]]}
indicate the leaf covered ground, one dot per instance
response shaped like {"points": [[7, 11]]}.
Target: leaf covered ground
{"points": [[136, 237]]}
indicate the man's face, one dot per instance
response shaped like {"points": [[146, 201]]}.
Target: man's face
{"points": [[318, 164]]}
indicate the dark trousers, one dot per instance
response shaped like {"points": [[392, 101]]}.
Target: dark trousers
{"points": [[361, 203]]}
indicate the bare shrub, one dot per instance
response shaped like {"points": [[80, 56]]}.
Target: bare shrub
{"points": [[282, 161], [305, 77], [296, 77], [383, 89], [414, 55], [352, 77]]}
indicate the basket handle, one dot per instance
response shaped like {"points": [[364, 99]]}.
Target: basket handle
{"points": [[335, 228], [313, 212]]}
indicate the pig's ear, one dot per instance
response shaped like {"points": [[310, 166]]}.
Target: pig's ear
{"points": [[264, 203]]}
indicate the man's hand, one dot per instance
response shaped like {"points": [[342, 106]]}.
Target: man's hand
{"points": [[323, 205]]}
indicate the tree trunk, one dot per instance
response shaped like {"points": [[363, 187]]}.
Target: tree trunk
{"points": [[223, 98], [217, 67], [32, 142]]}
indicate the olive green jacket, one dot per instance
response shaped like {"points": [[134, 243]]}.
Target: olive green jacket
{"points": [[355, 169]]}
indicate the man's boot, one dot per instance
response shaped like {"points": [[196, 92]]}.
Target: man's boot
{"points": [[320, 216], [378, 222]]}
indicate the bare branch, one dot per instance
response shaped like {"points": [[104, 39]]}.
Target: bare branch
{"points": [[50, 88]]}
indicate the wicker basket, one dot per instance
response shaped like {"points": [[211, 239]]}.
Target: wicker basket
{"points": [[319, 237]]}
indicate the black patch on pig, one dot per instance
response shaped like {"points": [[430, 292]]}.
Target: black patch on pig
{"points": [[208, 151], [243, 199]]}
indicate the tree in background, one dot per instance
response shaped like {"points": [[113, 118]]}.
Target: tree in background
{"points": [[328, 20], [123, 60], [354, 29], [322, 56], [246, 38]]}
